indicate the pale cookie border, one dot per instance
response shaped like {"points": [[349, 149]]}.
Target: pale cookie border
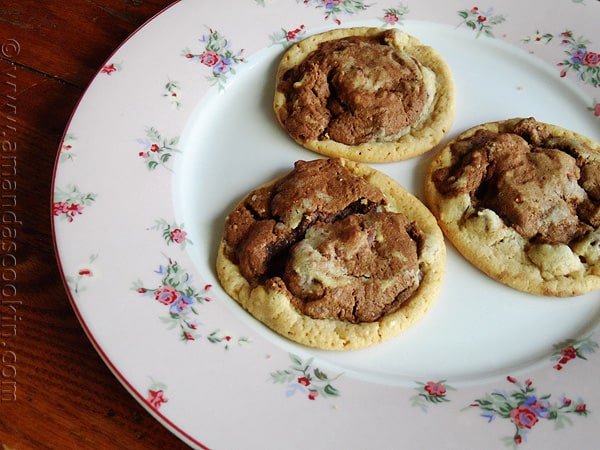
{"points": [[422, 137], [498, 250], [275, 310]]}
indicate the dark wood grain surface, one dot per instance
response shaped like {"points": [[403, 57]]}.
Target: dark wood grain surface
{"points": [[56, 392]]}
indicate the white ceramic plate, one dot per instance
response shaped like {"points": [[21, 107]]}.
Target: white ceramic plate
{"points": [[177, 126]]}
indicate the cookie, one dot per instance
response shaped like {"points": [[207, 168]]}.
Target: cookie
{"points": [[364, 94], [520, 200], [334, 255]]}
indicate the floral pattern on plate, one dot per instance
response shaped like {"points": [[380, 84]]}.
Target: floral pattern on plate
{"points": [[177, 292], [572, 349], [216, 55], [332, 9], [302, 377], [71, 202], [525, 408], [78, 281], [583, 62], [67, 152], [184, 301], [580, 59], [112, 67], [157, 150], [431, 393], [288, 37], [173, 94], [395, 16], [156, 396], [172, 233], [481, 21], [227, 340]]}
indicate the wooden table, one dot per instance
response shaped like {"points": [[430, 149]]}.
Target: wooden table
{"points": [[56, 392]]}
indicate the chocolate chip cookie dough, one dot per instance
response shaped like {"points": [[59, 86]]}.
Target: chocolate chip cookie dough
{"points": [[520, 199], [364, 94], [333, 255]]}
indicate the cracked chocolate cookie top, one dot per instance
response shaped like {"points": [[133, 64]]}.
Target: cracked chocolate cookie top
{"points": [[365, 94], [331, 243], [530, 190]]}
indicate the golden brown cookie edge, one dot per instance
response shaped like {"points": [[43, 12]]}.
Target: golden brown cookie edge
{"points": [[419, 141], [275, 310], [516, 270]]}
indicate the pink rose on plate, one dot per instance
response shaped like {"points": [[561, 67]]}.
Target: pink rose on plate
{"points": [[167, 295], [435, 389], [178, 235], [156, 398], [524, 417], [391, 18], [591, 59], [293, 34], [209, 58], [59, 208]]}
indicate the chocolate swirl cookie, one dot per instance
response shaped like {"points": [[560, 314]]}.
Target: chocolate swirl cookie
{"points": [[333, 255], [520, 199], [365, 94]]}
